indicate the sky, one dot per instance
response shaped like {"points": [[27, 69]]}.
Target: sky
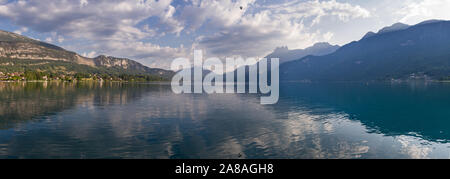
{"points": [[155, 32]]}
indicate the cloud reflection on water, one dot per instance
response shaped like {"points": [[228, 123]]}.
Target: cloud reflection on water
{"points": [[148, 121]]}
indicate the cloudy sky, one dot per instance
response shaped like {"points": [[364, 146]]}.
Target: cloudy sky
{"points": [[154, 32]]}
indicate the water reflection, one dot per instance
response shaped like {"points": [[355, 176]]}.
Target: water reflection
{"points": [[21, 102], [117, 120], [416, 108]]}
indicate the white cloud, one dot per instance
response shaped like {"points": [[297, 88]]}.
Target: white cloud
{"points": [[90, 54], [96, 19], [100, 23], [415, 12], [49, 39], [317, 9], [21, 30], [150, 54], [223, 13], [60, 39], [256, 34], [122, 27], [327, 36], [83, 3]]}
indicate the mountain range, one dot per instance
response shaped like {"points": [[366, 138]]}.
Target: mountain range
{"points": [[396, 52], [18, 49], [318, 49], [392, 28]]}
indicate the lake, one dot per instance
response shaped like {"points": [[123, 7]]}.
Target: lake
{"points": [[132, 120]]}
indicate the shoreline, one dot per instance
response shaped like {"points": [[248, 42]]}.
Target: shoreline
{"points": [[87, 81]]}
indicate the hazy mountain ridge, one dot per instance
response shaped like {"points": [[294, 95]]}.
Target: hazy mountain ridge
{"points": [[285, 56], [318, 49], [392, 28]]}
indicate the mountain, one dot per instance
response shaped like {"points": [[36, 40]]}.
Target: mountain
{"points": [[392, 28], [318, 49], [285, 55], [430, 21], [128, 65], [16, 48], [419, 50]]}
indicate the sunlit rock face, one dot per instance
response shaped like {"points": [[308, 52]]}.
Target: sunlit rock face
{"points": [[15, 46]]}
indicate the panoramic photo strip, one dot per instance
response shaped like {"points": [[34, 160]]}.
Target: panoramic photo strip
{"points": [[224, 87]]}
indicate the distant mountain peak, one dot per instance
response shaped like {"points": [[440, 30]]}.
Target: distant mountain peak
{"points": [[321, 45], [101, 56], [430, 21], [369, 34], [418, 49], [6, 36], [399, 26], [394, 27], [318, 49], [281, 49]]}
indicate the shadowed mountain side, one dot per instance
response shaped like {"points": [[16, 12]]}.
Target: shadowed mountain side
{"points": [[285, 55], [420, 50], [318, 49]]}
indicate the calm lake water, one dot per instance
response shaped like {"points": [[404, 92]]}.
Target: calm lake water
{"points": [[112, 120]]}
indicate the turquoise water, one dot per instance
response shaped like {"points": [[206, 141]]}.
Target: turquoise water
{"points": [[113, 120]]}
